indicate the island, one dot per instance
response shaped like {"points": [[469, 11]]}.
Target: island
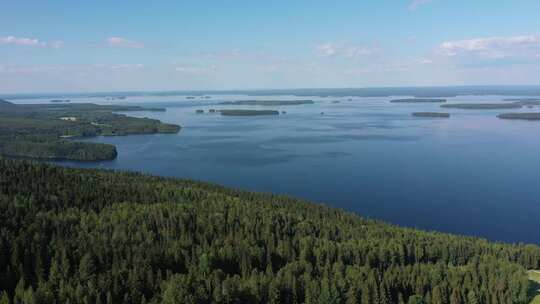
{"points": [[416, 100], [521, 116], [199, 111], [528, 99], [59, 100], [528, 102], [47, 131], [483, 106], [248, 112], [116, 97], [267, 102], [431, 114]]}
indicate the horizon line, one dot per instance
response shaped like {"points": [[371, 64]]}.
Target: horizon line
{"points": [[225, 91]]}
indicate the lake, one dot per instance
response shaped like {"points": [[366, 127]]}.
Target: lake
{"points": [[471, 174]]}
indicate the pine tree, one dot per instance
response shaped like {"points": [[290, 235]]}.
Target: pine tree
{"points": [[18, 297], [471, 297], [455, 298], [4, 298]]}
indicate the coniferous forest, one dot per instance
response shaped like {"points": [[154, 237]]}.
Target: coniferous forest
{"points": [[91, 236]]}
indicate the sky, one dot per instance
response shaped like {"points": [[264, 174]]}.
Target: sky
{"points": [[136, 45]]}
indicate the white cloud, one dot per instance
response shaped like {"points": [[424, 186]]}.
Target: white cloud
{"points": [[494, 47], [425, 61], [56, 44], [357, 51], [344, 50], [21, 41], [124, 43], [417, 3], [30, 42], [327, 49], [195, 70]]}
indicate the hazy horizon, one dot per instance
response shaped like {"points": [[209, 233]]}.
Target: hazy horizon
{"points": [[517, 90]]}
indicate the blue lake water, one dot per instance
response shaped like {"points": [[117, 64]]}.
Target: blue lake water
{"points": [[471, 174]]}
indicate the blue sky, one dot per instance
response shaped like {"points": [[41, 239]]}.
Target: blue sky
{"points": [[67, 46]]}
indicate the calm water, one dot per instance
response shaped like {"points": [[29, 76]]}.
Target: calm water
{"points": [[471, 174]]}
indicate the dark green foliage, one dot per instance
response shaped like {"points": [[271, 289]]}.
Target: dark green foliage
{"points": [[41, 131], [58, 149], [522, 116], [88, 236]]}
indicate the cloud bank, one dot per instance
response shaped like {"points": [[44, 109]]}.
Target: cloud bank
{"points": [[527, 46], [344, 50], [33, 42], [120, 42]]}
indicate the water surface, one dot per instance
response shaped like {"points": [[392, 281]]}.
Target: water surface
{"points": [[471, 174]]}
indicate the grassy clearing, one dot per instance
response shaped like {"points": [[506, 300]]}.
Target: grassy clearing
{"points": [[534, 275]]}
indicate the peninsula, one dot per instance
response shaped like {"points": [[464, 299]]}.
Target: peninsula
{"points": [[45, 131]]}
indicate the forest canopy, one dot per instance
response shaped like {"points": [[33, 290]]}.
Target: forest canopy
{"points": [[93, 236]]}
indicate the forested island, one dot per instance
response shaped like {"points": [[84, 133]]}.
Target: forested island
{"points": [[526, 99], [93, 236], [248, 112], [415, 100], [521, 116], [483, 106], [45, 130], [431, 114], [268, 102], [516, 103]]}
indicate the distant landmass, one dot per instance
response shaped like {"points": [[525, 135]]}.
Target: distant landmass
{"points": [[483, 106], [418, 92], [521, 116], [431, 114], [526, 100]]}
